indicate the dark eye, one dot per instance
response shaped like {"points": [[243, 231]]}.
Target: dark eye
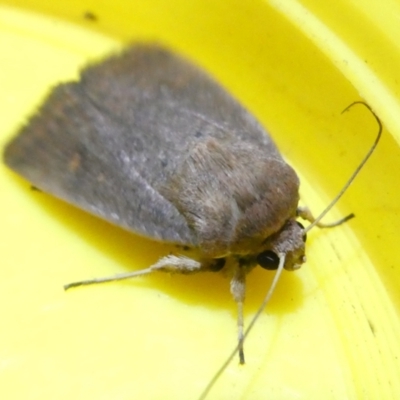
{"points": [[268, 260], [217, 264], [302, 227]]}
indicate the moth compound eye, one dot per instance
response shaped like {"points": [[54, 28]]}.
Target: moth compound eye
{"points": [[268, 260], [302, 227], [217, 264]]}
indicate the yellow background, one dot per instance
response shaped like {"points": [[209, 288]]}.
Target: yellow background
{"points": [[332, 329]]}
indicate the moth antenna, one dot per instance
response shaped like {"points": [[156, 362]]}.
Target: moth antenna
{"points": [[267, 297], [355, 173]]}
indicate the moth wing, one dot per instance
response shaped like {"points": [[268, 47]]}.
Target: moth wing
{"points": [[111, 142], [59, 153]]}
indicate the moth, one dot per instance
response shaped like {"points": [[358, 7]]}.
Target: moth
{"points": [[151, 143]]}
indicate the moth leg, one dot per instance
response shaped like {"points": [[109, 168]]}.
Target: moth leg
{"points": [[305, 213], [172, 264], [238, 290]]}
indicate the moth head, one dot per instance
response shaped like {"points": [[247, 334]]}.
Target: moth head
{"points": [[290, 240]]}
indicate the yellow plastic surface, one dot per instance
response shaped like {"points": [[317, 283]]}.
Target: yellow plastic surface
{"points": [[332, 330]]}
